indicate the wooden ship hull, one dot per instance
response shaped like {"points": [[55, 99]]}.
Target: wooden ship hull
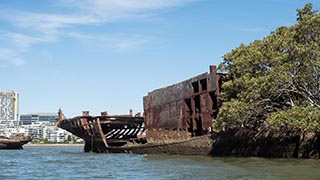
{"points": [[177, 120], [14, 142]]}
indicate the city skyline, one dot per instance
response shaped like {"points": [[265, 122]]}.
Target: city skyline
{"points": [[106, 55]]}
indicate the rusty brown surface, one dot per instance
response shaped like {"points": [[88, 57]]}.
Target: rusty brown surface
{"points": [[189, 106], [101, 131], [14, 142], [167, 136], [174, 114]]}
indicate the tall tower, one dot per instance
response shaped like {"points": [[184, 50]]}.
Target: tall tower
{"points": [[9, 108]]}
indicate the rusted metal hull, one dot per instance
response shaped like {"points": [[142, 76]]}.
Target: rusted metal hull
{"points": [[177, 120], [125, 135], [103, 131], [13, 143], [183, 110]]}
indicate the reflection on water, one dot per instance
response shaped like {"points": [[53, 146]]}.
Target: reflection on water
{"points": [[72, 163]]}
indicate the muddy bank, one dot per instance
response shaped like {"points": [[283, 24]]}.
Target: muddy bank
{"points": [[266, 142]]}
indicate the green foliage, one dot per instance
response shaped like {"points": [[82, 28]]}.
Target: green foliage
{"points": [[69, 139], [280, 73], [42, 140], [306, 118], [233, 112]]}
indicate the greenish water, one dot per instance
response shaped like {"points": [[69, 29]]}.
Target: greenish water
{"points": [[72, 163]]}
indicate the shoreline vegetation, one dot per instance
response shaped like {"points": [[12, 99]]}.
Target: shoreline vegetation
{"points": [[270, 95]]}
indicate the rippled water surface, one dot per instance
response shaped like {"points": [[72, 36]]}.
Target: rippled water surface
{"points": [[71, 163]]}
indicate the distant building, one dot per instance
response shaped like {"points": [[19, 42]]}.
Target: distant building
{"points": [[9, 109], [37, 129], [28, 119], [41, 126]]}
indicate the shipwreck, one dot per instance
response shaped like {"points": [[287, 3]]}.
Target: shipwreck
{"points": [[14, 142], [177, 119]]}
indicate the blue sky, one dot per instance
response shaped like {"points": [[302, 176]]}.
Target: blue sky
{"points": [[105, 55]]}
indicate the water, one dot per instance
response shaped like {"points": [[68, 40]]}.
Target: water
{"points": [[71, 163]]}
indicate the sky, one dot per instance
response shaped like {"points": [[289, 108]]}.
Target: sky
{"points": [[105, 55]]}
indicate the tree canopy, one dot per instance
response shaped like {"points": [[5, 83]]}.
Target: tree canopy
{"points": [[275, 80]]}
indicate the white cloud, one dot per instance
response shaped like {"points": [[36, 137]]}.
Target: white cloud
{"points": [[21, 40], [126, 42], [51, 27], [117, 42], [87, 12], [111, 9], [11, 57], [48, 25]]}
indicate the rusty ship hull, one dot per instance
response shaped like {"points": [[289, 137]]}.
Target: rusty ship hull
{"points": [[177, 119], [14, 142], [102, 132], [124, 134]]}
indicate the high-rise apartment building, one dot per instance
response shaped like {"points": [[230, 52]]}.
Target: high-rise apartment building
{"points": [[9, 109]]}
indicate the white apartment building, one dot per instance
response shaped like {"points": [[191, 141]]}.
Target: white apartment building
{"points": [[9, 109]]}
